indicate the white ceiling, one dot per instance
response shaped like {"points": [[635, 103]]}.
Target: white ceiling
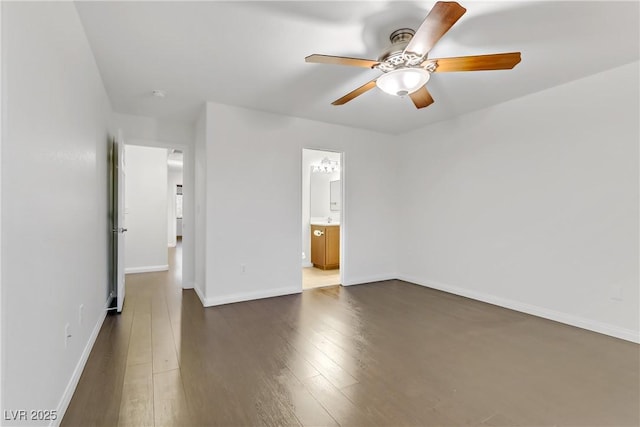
{"points": [[251, 54]]}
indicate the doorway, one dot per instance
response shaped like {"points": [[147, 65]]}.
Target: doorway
{"points": [[154, 209], [175, 164], [322, 229]]}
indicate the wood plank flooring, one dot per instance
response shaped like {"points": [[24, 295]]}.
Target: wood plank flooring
{"points": [[381, 354]]}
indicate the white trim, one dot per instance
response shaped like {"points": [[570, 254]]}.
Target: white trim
{"points": [[2, 140], [77, 372], [248, 296], [186, 284], [203, 300], [306, 264], [344, 266], [569, 319], [370, 279], [171, 245], [146, 269]]}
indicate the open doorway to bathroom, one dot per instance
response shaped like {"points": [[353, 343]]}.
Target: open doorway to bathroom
{"points": [[321, 218]]}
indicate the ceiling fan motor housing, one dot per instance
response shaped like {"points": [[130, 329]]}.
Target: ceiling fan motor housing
{"points": [[399, 41], [394, 57]]}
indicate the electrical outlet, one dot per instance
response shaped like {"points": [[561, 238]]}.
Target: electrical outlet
{"points": [[67, 334], [80, 314]]}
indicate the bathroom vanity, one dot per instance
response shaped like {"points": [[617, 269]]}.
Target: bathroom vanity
{"points": [[325, 246]]}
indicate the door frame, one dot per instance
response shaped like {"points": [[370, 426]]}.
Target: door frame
{"points": [[343, 209], [2, 321], [188, 200], [119, 178]]}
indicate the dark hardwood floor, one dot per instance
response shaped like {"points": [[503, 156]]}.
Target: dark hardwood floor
{"points": [[387, 353]]}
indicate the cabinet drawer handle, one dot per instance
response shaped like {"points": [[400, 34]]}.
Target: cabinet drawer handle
{"points": [[318, 233]]}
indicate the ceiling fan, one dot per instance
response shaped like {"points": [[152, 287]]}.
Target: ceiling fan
{"points": [[405, 65]]}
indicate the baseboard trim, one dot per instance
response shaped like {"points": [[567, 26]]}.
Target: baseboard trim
{"points": [[306, 264], [203, 300], [187, 284], [146, 269], [569, 319], [248, 296], [370, 279], [77, 372]]}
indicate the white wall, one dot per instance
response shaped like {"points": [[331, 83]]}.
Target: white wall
{"points": [[253, 196], [152, 132], [54, 178], [152, 129], [200, 199], [174, 179], [532, 203], [145, 209]]}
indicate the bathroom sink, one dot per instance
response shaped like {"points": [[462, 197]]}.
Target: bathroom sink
{"points": [[325, 223]]}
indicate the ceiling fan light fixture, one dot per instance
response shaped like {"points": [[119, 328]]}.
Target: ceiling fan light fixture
{"points": [[403, 81]]}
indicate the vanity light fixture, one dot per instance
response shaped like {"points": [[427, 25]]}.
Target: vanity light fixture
{"points": [[326, 166]]}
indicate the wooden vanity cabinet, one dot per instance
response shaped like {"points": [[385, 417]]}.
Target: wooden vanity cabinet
{"points": [[325, 246]]}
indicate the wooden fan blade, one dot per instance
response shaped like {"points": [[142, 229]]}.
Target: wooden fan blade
{"points": [[441, 18], [341, 60], [348, 97], [421, 98], [498, 61]]}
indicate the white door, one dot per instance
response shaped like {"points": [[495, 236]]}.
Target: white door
{"points": [[120, 225]]}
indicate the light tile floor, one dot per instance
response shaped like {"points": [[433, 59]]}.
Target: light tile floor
{"points": [[315, 277]]}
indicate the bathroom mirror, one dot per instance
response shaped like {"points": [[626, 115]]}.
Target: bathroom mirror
{"points": [[335, 195]]}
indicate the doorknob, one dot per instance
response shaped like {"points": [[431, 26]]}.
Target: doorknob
{"points": [[119, 230]]}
